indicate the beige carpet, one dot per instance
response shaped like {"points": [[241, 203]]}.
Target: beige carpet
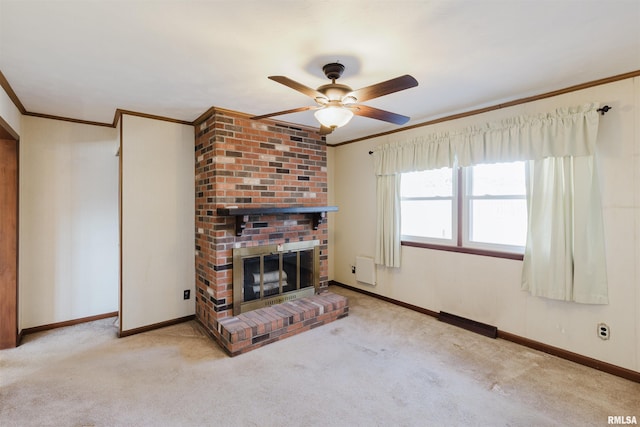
{"points": [[381, 366]]}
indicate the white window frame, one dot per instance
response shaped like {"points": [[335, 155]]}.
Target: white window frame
{"points": [[454, 217], [461, 221]]}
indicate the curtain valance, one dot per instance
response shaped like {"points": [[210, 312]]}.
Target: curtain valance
{"points": [[569, 131]]}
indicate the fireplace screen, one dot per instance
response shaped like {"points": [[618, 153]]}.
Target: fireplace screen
{"points": [[267, 275]]}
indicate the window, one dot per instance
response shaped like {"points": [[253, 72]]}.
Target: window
{"points": [[479, 208], [429, 206]]}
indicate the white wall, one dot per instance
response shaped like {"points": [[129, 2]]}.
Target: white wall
{"points": [[9, 113], [68, 265], [488, 289], [158, 221]]}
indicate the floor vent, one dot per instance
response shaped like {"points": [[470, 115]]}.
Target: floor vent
{"points": [[471, 325]]}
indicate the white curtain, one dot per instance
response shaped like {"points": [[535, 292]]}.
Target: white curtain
{"points": [[388, 220], [391, 160], [563, 132], [565, 252], [565, 244]]}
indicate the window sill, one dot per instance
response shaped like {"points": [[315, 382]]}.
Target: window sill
{"points": [[465, 250]]}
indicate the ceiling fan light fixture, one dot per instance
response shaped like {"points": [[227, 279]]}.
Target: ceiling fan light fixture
{"points": [[333, 116]]}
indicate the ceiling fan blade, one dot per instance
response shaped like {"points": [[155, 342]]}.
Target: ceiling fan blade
{"points": [[297, 86], [325, 130], [279, 113], [384, 88], [375, 113]]}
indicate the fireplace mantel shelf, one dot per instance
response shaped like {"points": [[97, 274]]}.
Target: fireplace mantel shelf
{"points": [[241, 214]]}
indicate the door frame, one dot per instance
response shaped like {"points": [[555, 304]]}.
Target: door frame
{"points": [[10, 333]]}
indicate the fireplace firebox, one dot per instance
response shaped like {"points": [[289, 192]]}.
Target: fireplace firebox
{"points": [[272, 274]]}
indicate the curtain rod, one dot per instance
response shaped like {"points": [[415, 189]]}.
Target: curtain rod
{"points": [[602, 110]]}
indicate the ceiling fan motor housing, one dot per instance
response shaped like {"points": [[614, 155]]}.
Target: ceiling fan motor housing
{"points": [[335, 91], [333, 71]]}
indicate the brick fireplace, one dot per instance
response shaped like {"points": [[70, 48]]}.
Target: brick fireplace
{"points": [[247, 164]]}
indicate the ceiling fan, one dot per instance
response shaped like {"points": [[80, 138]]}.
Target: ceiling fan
{"points": [[337, 103]]}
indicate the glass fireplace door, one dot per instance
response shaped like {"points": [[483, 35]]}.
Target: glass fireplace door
{"points": [[272, 274]]}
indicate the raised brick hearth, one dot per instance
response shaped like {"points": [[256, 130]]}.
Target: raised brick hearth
{"points": [[250, 164], [256, 328]]}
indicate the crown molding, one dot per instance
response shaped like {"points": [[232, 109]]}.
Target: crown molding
{"points": [[204, 116], [4, 83], [67, 119], [120, 112]]}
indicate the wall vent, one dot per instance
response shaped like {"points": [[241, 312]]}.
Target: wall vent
{"points": [[365, 270]]}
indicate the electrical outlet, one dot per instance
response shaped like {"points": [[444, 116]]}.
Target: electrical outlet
{"points": [[187, 294], [353, 269], [603, 331]]}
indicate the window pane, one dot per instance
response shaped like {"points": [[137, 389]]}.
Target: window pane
{"points": [[498, 179], [502, 222], [427, 218], [431, 183]]}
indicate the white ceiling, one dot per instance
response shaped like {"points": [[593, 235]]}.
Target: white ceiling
{"points": [[83, 59]]}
